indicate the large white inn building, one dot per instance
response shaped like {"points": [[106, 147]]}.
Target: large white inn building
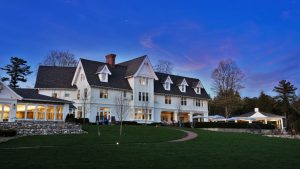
{"points": [[96, 88]]}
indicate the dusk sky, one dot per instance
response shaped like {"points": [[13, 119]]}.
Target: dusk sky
{"points": [[262, 37]]}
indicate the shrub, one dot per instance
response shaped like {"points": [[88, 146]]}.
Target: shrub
{"points": [[8, 132], [233, 125], [82, 120], [155, 124], [70, 118], [129, 123]]}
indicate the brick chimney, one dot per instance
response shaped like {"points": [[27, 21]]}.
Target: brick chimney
{"points": [[110, 59]]}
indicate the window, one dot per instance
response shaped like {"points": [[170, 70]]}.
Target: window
{"points": [[131, 96], [198, 102], [20, 111], [167, 99], [124, 94], [54, 95], [50, 113], [85, 93], [30, 111], [103, 77], [183, 101], [104, 114], [143, 114], [78, 94], [81, 77], [4, 112], [182, 88], [67, 94], [143, 81], [167, 85], [41, 112], [144, 96], [79, 112], [198, 90], [104, 93], [59, 113]]}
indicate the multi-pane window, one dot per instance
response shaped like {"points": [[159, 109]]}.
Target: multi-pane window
{"points": [[78, 94], [182, 88], [198, 90], [143, 81], [167, 99], [104, 93], [183, 101], [143, 114], [199, 103], [167, 86], [143, 96], [85, 93], [67, 94]]}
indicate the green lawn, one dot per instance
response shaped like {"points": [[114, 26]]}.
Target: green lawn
{"points": [[146, 147]]}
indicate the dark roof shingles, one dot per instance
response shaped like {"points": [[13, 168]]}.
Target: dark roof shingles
{"points": [[33, 95], [55, 77]]}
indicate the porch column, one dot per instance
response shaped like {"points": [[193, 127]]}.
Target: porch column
{"points": [[26, 105], [266, 121], [250, 121], [46, 106], [191, 116], [281, 124], [54, 113], [35, 112], [175, 116]]}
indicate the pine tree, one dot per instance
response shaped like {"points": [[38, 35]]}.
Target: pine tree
{"points": [[17, 71], [286, 94]]}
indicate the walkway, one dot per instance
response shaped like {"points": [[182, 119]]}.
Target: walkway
{"points": [[189, 136]]}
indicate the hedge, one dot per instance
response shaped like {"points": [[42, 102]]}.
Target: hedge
{"points": [[8, 132], [233, 125], [82, 120]]}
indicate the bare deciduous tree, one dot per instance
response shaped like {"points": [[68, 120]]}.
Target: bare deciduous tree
{"points": [[227, 81], [164, 66], [60, 58], [122, 110]]}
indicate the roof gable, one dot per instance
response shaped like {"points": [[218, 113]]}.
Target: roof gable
{"points": [[132, 66], [7, 93], [103, 69], [146, 70]]}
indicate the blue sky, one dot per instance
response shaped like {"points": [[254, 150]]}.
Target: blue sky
{"points": [[262, 37]]}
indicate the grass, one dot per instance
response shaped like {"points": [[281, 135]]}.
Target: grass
{"points": [[147, 147]]}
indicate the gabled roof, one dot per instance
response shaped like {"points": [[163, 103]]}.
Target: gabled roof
{"points": [[190, 92], [116, 79], [133, 65], [102, 68], [249, 114], [55, 77], [33, 95]]}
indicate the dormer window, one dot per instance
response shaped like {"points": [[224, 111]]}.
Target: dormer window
{"points": [[182, 88], [182, 85], [143, 81], [197, 87], [103, 77], [103, 73], [198, 90], [167, 83]]}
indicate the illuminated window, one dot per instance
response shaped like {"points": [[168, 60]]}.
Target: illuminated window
{"points": [[59, 113], [50, 113], [104, 114], [4, 112], [30, 111], [143, 114], [67, 94], [143, 81], [20, 111], [41, 112], [198, 102]]}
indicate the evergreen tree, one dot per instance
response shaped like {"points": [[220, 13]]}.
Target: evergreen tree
{"points": [[17, 71], [286, 95]]}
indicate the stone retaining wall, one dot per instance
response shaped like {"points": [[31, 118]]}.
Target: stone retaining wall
{"points": [[26, 128]]}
